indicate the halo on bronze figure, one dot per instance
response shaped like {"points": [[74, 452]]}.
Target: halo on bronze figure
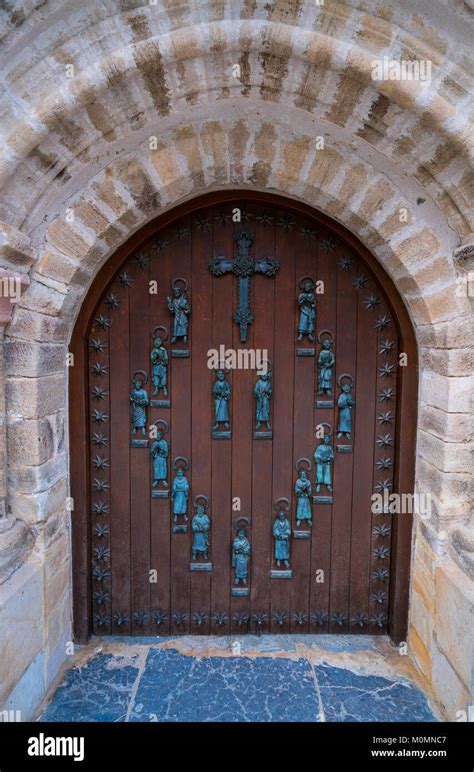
{"points": [[324, 423], [174, 284], [161, 337], [326, 333], [143, 380], [345, 375], [201, 499], [185, 464], [299, 464], [278, 502], [307, 280], [161, 421], [241, 524]]}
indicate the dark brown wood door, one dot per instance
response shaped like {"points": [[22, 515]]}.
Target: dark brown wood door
{"points": [[329, 568]]}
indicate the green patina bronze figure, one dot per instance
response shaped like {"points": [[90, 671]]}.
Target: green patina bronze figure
{"points": [[201, 524], [303, 494], [159, 452], [263, 393], [345, 404], [282, 533], [178, 306], [326, 361], [307, 305], [221, 395], [180, 489], [240, 556], [324, 456], [159, 363], [139, 401]]}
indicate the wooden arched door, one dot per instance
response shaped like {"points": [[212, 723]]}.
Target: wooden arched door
{"points": [[269, 525]]}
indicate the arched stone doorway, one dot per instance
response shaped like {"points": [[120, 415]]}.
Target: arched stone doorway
{"points": [[346, 572]]}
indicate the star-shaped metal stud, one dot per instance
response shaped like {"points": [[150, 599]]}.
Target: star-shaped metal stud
{"points": [[371, 302], [100, 485], [264, 218], [102, 619], [98, 393], [222, 217], [378, 597], [384, 485], [100, 508], [386, 395], [98, 345], [307, 232], [181, 232], [101, 597], [102, 321], [384, 440], [345, 263], [360, 281], [142, 260], [381, 531], [100, 416], [202, 224], [100, 463], [378, 620], [98, 369], [382, 322], [383, 463], [112, 300], [159, 245], [125, 279], [101, 531], [286, 223], [387, 370], [100, 439], [101, 553], [380, 575], [385, 418], [381, 553], [329, 245], [120, 618], [359, 620], [387, 346]]}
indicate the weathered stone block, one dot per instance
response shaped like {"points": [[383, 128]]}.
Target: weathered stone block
{"points": [[35, 397], [448, 688], [33, 359], [454, 620], [30, 441]]}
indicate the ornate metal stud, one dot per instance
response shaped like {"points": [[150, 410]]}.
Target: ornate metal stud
{"points": [[307, 232], [382, 322], [98, 393], [386, 371], [339, 619], [220, 618], [359, 620], [181, 232], [101, 619], [329, 245], [280, 618], [380, 575], [299, 618], [286, 223], [159, 452], [140, 618], [264, 218], [142, 260], [98, 345], [387, 346], [179, 618], [101, 597], [101, 531], [100, 485], [360, 281], [383, 463], [100, 508], [378, 597], [98, 438], [240, 618], [100, 416], [102, 321], [120, 618], [371, 302], [139, 402], [386, 395], [202, 224], [385, 418], [381, 553], [378, 620], [200, 618], [383, 485], [98, 369], [345, 263], [101, 553], [160, 617], [319, 618], [125, 280], [222, 217], [258, 620], [159, 245], [112, 300], [100, 463], [384, 440], [246, 215], [101, 574]]}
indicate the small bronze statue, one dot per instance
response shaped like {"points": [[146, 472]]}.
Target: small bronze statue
{"points": [[179, 308], [241, 553], [326, 362], [221, 395], [303, 493], [282, 533], [139, 401], [324, 457], [345, 404], [159, 452], [263, 394], [159, 362], [307, 305], [180, 489], [201, 524]]}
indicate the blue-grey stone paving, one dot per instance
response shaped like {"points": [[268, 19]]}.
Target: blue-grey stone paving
{"points": [[169, 686]]}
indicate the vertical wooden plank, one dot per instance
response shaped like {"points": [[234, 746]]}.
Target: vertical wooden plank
{"points": [[221, 450], [303, 427], [200, 582], [284, 367], [140, 324], [119, 450]]}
